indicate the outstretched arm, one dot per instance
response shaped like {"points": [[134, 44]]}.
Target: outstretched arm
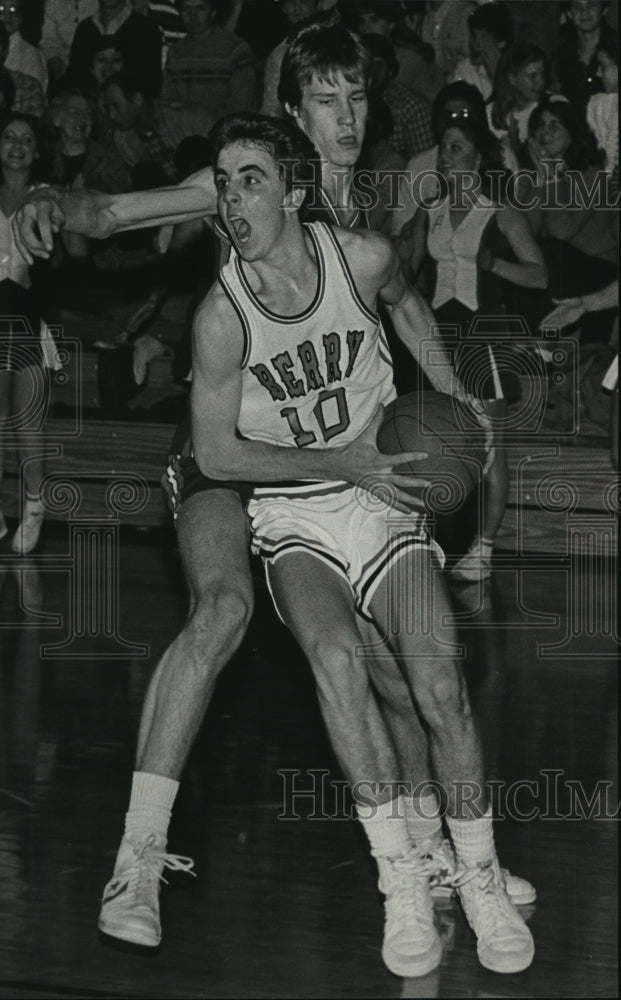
{"points": [[376, 269], [46, 211], [215, 405]]}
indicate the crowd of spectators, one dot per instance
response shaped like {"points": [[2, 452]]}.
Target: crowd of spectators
{"points": [[120, 95], [119, 85], [153, 73]]}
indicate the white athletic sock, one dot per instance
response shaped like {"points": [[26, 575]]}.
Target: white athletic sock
{"points": [[150, 803], [386, 829], [473, 839], [486, 545], [422, 816]]}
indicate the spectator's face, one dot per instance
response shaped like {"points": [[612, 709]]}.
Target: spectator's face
{"points": [[333, 114], [121, 110], [73, 119], [298, 10], [10, 14], [483, 47], [373, 24], [528, 82], [251, 195], [586, 14], [608, 72], [106, 63], [196, 16], [18, 147], [551, 136], [456, 154]]}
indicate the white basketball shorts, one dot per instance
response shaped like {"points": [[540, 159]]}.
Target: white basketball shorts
{"points": [[355, 534]]}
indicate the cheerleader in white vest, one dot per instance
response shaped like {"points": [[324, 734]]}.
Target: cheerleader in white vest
{"points": [[477, 244]]}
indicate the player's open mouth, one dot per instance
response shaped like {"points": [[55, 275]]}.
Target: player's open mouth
{"points": [[241, 230], [348, 140]]}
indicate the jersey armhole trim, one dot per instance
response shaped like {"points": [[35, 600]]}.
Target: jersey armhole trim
{"points": [[242, 319]]}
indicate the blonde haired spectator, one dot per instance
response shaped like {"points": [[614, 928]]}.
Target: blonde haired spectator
{"points": [[445, 28]]}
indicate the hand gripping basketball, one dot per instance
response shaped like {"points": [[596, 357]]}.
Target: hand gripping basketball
{"points": [[450, 434]]}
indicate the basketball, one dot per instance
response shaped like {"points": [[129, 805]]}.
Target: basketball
{"points": [[450, 434]]}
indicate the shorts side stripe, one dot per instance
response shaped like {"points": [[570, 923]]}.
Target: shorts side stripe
{"points": [[271, 551], [394, 550], [305, 490]]}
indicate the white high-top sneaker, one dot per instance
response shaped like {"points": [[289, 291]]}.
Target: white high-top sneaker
{"points": [[411, 945], [504, 942], [130, 906]]}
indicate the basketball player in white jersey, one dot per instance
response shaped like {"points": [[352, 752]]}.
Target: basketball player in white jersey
{"points": [[211, 523], [290, 352]]}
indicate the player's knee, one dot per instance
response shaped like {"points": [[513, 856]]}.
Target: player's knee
{"points": [[224, 610], [443, 700], [339, 673]]}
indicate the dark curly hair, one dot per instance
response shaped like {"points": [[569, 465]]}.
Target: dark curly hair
{"points": [[583, 150], [280, 137], [38, 171], [493, 173]]}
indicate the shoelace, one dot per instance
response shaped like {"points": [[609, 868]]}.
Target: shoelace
{"points": [[151, 863], [493, 909], [409, 893], [442, 862]]}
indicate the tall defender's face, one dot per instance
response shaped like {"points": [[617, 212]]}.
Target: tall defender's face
{"points": [[251, 198], [333, 114]]}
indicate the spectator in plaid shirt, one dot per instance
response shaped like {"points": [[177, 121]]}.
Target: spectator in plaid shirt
{"points": [[411, 112], [29, 97], [211, 67], [146, 129]]}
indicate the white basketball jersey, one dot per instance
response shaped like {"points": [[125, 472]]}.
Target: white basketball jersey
{"points": [[317, 378]]}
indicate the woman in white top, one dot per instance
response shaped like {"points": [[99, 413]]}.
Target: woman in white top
{"points": [[23, 378], [603, 109], [477, 245]]}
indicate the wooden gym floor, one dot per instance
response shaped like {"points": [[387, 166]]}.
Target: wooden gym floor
{"points": [[288, 908]]}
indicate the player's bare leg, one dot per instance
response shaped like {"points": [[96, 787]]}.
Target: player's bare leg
{"points": [[212, 536], [414, 592], [213, 544], [317, 605]]}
